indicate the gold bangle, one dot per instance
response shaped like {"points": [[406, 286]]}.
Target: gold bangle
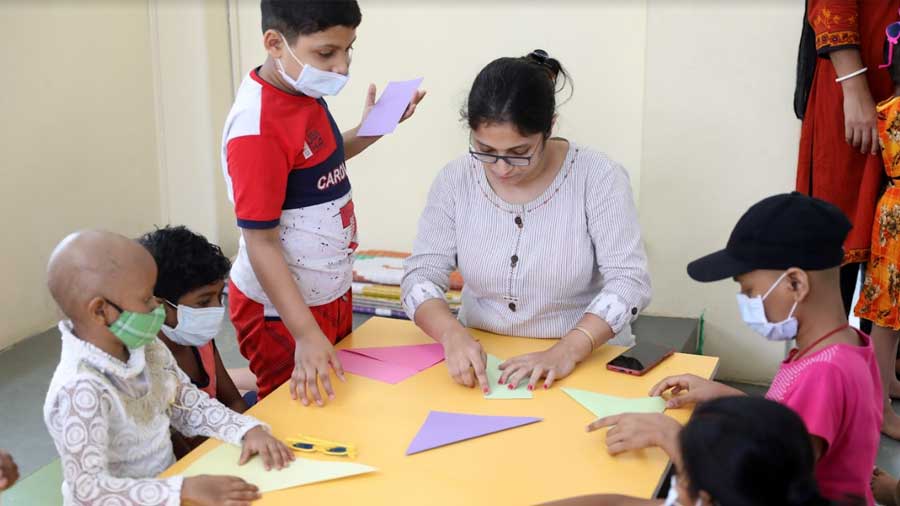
{"points": [[589, 336]]}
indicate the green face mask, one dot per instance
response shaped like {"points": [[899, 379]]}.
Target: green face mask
{"points": [[137, 330]]}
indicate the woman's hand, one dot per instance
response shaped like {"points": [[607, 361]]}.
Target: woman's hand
{"points": [[552, 364], [466, 359], [859, 116]]}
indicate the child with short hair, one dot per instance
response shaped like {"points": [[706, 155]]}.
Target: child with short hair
{"points": [[735, 450], [284, 163], [190, 281], [117, 389], [786, 252]]}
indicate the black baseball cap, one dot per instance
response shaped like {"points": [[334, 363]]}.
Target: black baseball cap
{"points": [[779, 232]]}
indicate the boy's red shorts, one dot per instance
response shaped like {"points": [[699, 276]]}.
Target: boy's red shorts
{"points": [[267, 343]]}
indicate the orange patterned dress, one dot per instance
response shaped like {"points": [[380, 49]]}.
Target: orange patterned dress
{"points": [[879, 299]]}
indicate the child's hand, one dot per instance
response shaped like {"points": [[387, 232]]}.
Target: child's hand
{"points": [[208, 490], [272, 451], [693, 390], [9, 471], [635, 431], [313, 357], [410, 109]]}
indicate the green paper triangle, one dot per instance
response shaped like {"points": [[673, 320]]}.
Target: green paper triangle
{"points": [[499, 391], [607, 405]]}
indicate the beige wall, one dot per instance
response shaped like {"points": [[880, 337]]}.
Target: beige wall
{"points": [[719, 134], [77, 139], [113, 112], [448, 43]]}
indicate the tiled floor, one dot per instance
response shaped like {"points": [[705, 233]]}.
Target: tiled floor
{"points": [[25, 371]]}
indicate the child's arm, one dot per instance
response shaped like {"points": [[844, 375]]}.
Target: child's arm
{"points": [[353, 143], [692, 389], [635, 431], [194, 413], [313, 354], [9, 471], [226, 392]]}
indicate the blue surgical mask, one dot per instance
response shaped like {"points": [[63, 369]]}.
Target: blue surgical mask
{"points": [[753, 312], [312, 82]]}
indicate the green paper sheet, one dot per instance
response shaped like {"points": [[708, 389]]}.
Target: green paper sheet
{"points": [[499, 391], [607, 405], [223, 460]]}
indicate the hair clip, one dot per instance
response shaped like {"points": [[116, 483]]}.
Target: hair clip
{"points": [[540, 56]]}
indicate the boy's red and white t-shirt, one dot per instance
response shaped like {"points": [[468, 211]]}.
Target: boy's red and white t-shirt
{"points": [[283, 160]]}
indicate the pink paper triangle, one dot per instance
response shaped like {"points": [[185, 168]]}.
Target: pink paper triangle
{"points": [[417, 356], [442, 428], [362, 365]]}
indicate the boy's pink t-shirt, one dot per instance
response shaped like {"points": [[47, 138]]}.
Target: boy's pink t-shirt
{"points": [[837, 393]]}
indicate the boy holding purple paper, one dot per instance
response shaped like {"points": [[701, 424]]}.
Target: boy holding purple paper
{"points": [[284, 163]]}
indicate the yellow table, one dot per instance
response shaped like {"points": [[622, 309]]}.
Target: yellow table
{"points": [[547, 460]]}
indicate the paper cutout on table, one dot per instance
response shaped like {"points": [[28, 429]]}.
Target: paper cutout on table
{"points": [[223, 461], [499, 391], [416, 356], [386, 114], [607, 405], [362, 365], [442, 428]]}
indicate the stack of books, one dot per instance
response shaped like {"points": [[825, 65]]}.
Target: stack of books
{"points": [[376, 284]]}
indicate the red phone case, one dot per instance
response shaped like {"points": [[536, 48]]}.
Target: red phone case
{"points": [[634, 372]]}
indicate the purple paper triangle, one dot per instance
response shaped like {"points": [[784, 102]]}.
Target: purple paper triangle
{"points": [[416, 356], [442, 428]]}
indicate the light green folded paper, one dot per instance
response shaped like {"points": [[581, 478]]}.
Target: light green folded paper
{"points": [[223, 460], [607, 405]]}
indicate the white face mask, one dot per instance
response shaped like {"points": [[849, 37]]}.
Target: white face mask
{"points": [[753, 313], [312, 82], [672, 498], [196, 326]]}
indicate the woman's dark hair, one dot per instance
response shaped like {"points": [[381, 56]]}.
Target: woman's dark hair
{"points": [[746, 451], [303, 17], [521, 91], [185, 261]]}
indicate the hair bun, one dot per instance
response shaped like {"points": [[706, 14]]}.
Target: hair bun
{"points": [[542, 58]]}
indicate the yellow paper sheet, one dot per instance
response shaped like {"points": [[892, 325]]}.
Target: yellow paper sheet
{"points": [[223, 460]]}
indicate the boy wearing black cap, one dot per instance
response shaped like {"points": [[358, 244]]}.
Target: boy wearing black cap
{"points": [[786, 252]]}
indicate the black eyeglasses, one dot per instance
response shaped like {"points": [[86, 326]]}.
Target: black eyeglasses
{"points": [[514, 161]]}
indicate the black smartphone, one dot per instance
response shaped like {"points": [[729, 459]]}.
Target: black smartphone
{"points": [[639, 359]]}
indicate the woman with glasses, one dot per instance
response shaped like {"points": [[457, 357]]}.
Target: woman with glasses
{"points": [[543, 230]]}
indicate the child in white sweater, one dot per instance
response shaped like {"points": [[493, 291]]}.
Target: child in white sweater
{"points": [[117, 389]]}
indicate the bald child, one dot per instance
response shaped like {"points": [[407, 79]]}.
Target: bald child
{"points": [[117, 389]]}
